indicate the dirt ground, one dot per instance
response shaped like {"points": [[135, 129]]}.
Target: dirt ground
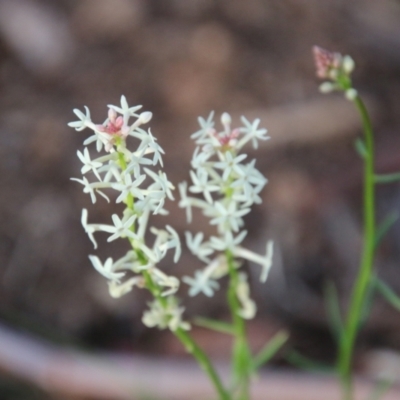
{"points": [[181, 59]]}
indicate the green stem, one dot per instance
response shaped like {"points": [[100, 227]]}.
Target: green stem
{"points": [[193, 348], [360, 287], [122, 162], [190, 345], [387, 178], [242, 362], [188, 342]]}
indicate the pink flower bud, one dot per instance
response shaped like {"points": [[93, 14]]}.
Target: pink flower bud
{"points": [[325, 61]]}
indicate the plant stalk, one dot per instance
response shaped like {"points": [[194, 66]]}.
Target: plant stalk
{"points": [[360, 288], [242, 360]]}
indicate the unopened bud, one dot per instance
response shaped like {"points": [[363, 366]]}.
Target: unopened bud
{"points": [[326, 87], [112, 114], [145, 117], [348, 64], [226, 119], [351, 94]]}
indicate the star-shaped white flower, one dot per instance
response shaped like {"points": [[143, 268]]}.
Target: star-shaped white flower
{"points": [[229, 163], [117, 289], [252, 132], [88, 163], [199, 248], [122, 227], [106, 269], [201, 184], [201, 283], [84, 120], [92, 188], [264, 261], [228, 217], [125, 110], [129, 187], [164, 280], [205, 126], [161, 182], [89, 229], [185, 201], [227, 240]]}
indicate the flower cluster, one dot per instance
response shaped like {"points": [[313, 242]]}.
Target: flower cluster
{"points": [[143, 192], [229, 186], [337, 69]]}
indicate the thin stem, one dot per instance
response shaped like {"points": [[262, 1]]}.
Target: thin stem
{"points": [[365, 272], [190, 345], [242, 362], [387, 178]]}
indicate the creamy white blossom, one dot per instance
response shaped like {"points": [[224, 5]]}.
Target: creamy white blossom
{"points": [[249, 308], [127, 171], [226, 185], [165, 315], [106, 269]]}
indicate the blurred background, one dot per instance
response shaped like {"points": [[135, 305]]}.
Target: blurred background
{"points": [[181, 59]]}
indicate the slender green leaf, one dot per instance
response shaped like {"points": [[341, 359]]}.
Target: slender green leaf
{"points": [[368, 302], [270, 349], [388, 293], [217, 326], [387, 178], [361, 148], [384, 227], [381, 387], [304, 363], [333, 310]]}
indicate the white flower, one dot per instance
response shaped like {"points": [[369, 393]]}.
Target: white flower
{"points": [[203, 281], [112, 171], [150, 254], [119, 289], [249, 308], [88, 164], [252, 132], [91, 188], [252, 175], [121, 228], [185, 201], [199, 249], [107, 269], [84, 120], [205, 126], [202, 185], [152, 147], [166, 240], [88, 228], [174, 242], [161, 182], [200, 158], [229, 163], [164, 280], [135, 160], [129, 187], [165, 316], [228, 217], [227, 241], [125, 110], [155, 200], [264, 261]]}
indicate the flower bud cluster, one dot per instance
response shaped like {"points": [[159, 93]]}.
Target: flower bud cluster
{"points": [[128, 173], [337, 69], [228, 186]]}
